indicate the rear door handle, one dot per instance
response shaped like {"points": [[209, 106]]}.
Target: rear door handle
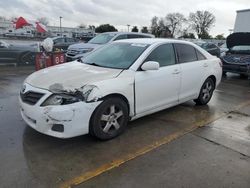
{"points": [[205, 65]]}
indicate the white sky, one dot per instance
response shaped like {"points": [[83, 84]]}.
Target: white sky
{"points": [[120, 13]]}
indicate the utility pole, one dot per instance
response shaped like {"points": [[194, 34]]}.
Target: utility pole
{"points": [[128, 27], [60, 25]]}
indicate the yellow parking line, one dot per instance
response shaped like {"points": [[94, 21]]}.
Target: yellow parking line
{"points": [[116, 163]]}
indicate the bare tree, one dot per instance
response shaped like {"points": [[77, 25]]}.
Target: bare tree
{"points": [[43, 20], [201, 22], [144, 29], [159, 28], [105, 28], [154, 26], [91, 27], [174, 21], [82, 25], [135, 29]]}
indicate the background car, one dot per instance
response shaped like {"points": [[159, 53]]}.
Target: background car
{"points": [[121, 81], [17, 53], [223, 49], [62, 43], [211, 48], [79, 50], [237, 58]]}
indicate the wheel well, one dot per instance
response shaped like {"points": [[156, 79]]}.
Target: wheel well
{"points": [[119, 96], [213, 78], [109, 96]]}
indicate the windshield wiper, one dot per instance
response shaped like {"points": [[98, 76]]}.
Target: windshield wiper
{"points": [[80, 60], [94, 64]]}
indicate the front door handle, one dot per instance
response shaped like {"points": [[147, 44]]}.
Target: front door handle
{"points": [[176, 71]]}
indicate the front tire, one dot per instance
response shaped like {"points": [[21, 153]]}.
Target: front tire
{"points": [[109, 119], [206, 92]]}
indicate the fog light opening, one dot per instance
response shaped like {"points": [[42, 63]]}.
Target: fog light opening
{"points": [[58, 128]]}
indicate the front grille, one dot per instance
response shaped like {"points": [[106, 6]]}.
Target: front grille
{"points": [[31, 97], [241, 59], [72, 52]]}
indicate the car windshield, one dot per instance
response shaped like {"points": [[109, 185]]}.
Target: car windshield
{"points": [[102, 38], [204, 45], [116, 55], [243, 49]]}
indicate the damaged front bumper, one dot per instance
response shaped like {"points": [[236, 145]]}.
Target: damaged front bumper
{"points": [[62, 121]]}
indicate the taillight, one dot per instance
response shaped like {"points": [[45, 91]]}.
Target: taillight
{"points": [[220, 62]]}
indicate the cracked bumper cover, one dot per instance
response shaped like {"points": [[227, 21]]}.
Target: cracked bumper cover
{"points": [[74, 117]]}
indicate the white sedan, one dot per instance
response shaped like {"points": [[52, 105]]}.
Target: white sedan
{"points": [[117, 83]]}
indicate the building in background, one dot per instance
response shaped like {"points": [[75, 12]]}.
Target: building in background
{"points": [[242, 23], [70, 32], [7, 29]]}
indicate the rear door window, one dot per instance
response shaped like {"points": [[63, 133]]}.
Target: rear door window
{"points": [[186, 53], [145, 36], [134, 36]]}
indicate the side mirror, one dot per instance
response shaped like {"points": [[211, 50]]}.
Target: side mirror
{"points": [[150, 65]]}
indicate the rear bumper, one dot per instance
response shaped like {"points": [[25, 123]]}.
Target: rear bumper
{"points": [[236, 68]]}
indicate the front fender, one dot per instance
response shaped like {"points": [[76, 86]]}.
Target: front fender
{"points": [[121, 85]]}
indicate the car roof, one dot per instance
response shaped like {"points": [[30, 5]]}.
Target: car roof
{"points": [[154, 40], [130, 33]]}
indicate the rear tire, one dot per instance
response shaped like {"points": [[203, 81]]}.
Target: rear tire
{"points": [[109, 119], [206, 92]]}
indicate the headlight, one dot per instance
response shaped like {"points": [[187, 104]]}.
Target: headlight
{"points": [[60, 99], [86, 50], [83, 94], [86, 91]]}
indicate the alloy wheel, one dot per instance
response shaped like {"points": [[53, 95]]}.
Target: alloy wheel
{"points": [[207, 91], [111, 119]]}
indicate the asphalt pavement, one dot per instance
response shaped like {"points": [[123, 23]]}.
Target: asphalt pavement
{"points": [[184, 146]]}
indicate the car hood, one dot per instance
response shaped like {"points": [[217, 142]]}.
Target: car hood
{"points": [[70, 76], [238, 39], [84, 45]]}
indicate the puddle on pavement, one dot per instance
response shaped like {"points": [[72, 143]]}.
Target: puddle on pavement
{"points": [[231, 131]]}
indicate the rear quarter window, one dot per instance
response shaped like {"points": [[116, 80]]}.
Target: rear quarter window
{"points": [[200, 56]]}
